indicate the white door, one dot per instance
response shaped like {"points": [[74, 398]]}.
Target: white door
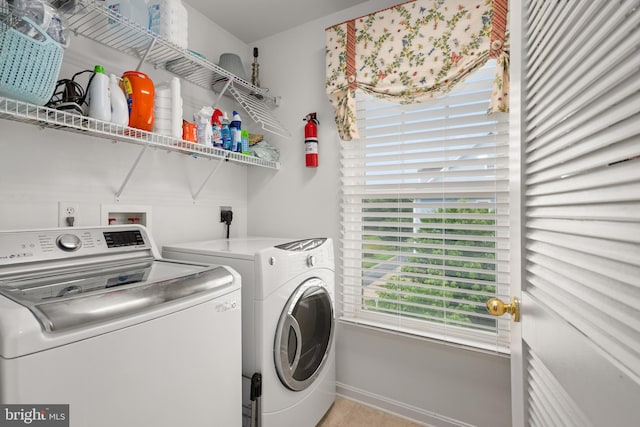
{"points": [[576, 92]]}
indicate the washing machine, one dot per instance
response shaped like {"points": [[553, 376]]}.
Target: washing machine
{"points": [[93, 319], [288, 323]]}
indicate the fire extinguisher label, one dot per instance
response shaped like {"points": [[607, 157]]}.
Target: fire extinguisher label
{"points": [[311, 146]]}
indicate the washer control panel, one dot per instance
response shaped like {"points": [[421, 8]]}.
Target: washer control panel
{"points": [[69, 242], [43, 245]]}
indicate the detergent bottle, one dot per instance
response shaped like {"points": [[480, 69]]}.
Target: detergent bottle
{"points": [[139, 91], [99, 95], [119, 109]]}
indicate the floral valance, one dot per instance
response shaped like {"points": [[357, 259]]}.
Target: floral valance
{"points": [[413, 52]]}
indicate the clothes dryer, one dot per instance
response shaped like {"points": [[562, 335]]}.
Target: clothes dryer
{"points": [[288, 322]]}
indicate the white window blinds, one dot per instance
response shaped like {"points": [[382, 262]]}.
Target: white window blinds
{"points": [[425, 216]]}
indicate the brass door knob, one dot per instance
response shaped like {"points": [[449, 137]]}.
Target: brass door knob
{"points": [[497, 307]]}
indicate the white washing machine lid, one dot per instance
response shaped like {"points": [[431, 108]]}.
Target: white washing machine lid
{"points": [[63, 300], [237, 248], [62, 285]]}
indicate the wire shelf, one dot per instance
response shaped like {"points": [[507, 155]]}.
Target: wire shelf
{"points": [[49, 118], [252, 103], [93, 20]]}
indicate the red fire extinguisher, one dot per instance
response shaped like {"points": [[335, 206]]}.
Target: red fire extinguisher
{"points": [[311, 140]]}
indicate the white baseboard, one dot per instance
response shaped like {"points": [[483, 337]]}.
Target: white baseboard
{"points": [[412, 413]]}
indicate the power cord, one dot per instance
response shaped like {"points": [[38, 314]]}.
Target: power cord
{"points": [[69, 94], [226, 216]]}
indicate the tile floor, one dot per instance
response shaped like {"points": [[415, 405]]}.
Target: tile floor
{"points": [[347, 413]]}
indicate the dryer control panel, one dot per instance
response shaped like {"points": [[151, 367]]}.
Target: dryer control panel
{"points": [[302, 245], [290, 260]]}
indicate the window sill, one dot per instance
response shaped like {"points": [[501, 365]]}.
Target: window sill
{"points": [[382, 329]]}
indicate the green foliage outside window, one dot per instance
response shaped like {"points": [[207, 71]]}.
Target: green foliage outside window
{"points": [[446, 276]]}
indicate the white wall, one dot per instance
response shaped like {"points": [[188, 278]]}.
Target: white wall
{"points": [[428, 381], [40, 167]]}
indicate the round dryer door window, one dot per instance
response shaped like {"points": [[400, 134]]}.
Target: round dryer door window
{"points": [[304, 335]]}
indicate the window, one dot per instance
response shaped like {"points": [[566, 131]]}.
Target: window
{"points": [[425, 216]]}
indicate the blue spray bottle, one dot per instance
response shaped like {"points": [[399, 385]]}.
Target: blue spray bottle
{"points": [[226, 132], [236, 136]]}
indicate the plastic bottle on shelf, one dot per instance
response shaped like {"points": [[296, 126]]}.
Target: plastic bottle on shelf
{"points": [[236, 132], [226, 132], [245, 141], [216, 135], [140, 91], [203, 122], [99, 95], [119, 108], [216, 129], [154, 17]]}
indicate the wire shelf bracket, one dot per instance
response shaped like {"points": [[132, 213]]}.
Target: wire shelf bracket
{"points": [[130, 173], [213, 171]]}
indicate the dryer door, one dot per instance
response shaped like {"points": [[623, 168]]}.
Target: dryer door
{"points": [[304, 335]]}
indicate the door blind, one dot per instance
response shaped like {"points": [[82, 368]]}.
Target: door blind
{"points": [[582, 184], [425, 216]]}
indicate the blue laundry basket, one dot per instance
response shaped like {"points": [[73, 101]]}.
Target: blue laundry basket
{"points": [[29, 66]]}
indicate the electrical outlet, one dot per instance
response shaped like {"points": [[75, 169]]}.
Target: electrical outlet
{"points": [[68, 214], [224, 212]]}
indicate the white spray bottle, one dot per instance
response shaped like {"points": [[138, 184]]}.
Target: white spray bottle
{"points": [[119, 108], [99, 95]]}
